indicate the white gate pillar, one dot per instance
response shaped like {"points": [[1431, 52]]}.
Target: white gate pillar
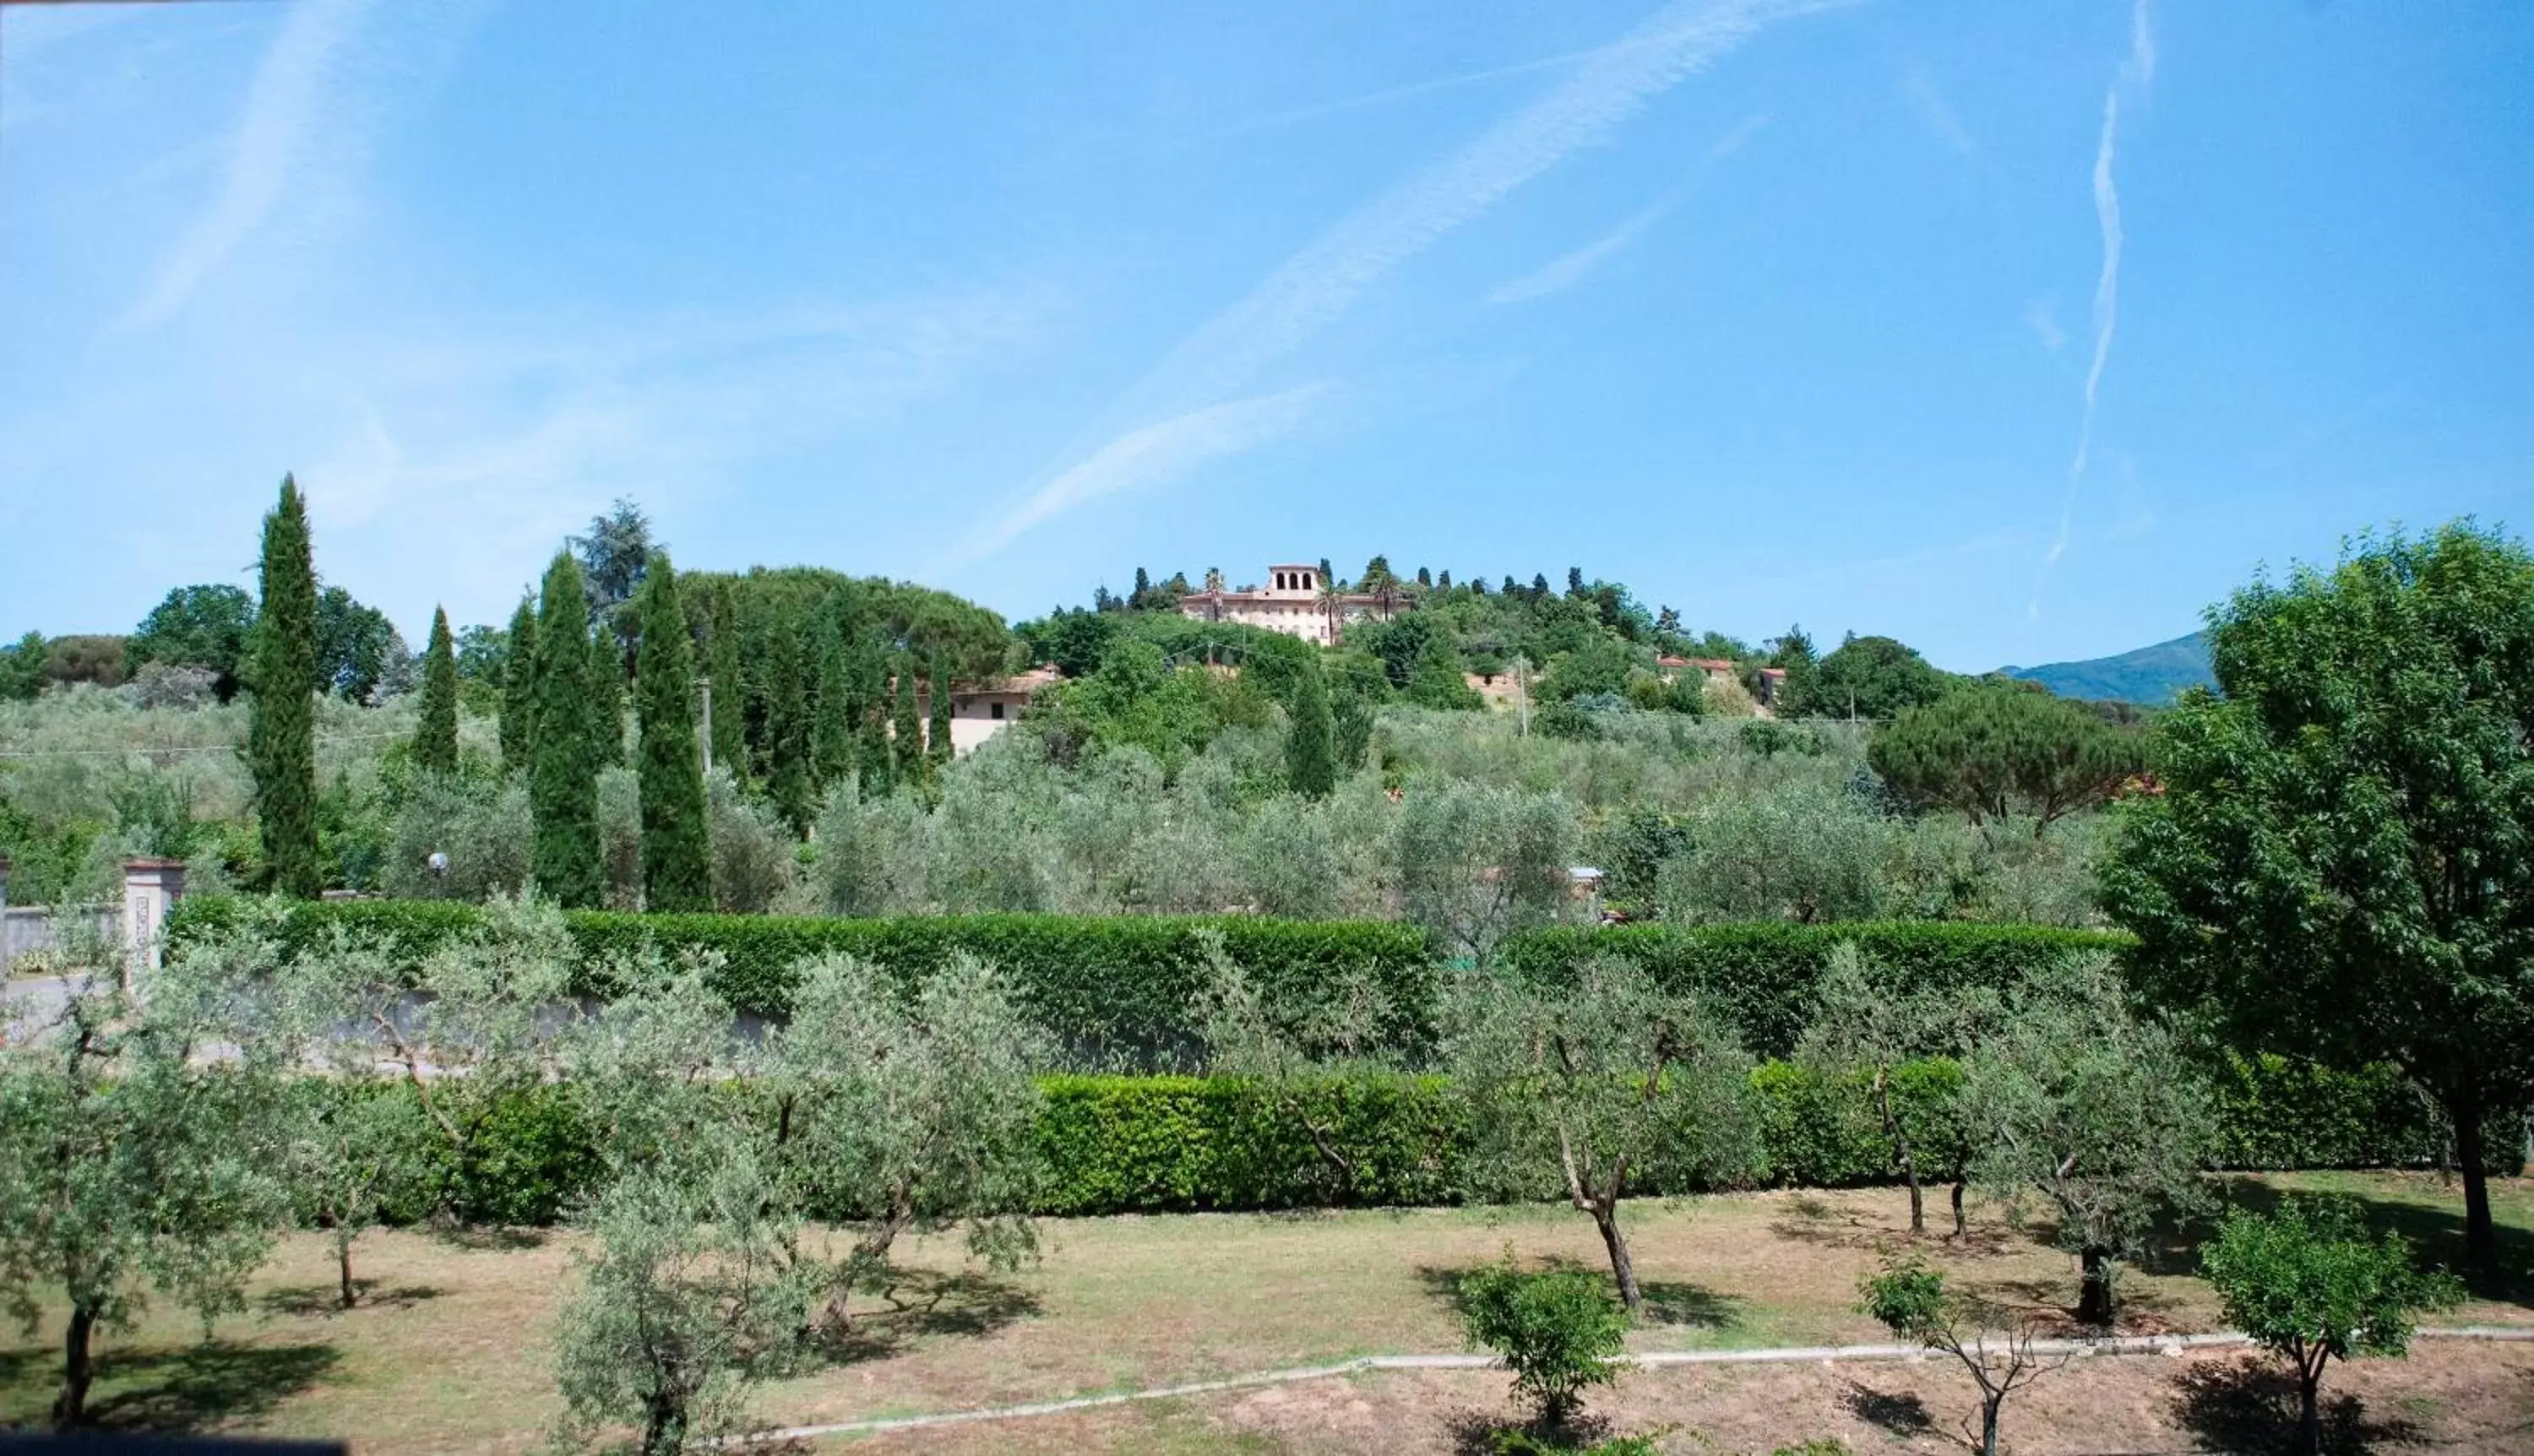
{"points": [[151, 888]]}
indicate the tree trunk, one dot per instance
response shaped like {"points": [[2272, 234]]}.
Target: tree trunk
{"points": [[2310, 1413], [1623, 1268], [1962, 1230], [1988, 1424], [70, 1407], [343, 1266], [2094, 1300], [664, 1431], [2480, 1235], [1901, 1150]]}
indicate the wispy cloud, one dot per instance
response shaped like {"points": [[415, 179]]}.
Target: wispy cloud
{"points": [[1317, 286], [2137, 72], [1150, 454], [1565, 272], [1927, 102], [290, 98], [2041, 316]]}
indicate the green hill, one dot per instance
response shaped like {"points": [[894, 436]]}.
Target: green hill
{"points": [[2150, 674]]}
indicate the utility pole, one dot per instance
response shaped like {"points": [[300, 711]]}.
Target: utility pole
{"points": [[704, 740], [1522, 697]]}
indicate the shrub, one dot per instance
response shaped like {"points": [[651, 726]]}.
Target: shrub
{"points": [[1558, 1332]]}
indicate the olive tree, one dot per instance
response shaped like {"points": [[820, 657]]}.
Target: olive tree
{"points": [[1292, 1054], [2074, 1098], [1476, 862], [2336, 867], [1865, 1026], [462, 1027], [1596, 1089], [1996, 1348], [685, 1299], [900, 1111], [138, 1149], [2311, 1284]]}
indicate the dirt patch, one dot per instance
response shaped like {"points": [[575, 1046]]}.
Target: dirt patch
{"points": [[2450, 1397]]}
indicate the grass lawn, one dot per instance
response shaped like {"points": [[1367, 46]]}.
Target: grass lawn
{"points": [[446, 1352]]}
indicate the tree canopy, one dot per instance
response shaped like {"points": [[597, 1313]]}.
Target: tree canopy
{"points": [[2341, 863]]}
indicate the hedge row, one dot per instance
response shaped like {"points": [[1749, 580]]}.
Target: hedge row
{"points": [[1117, 989], [1761, 974], [1116, 1144], [1114, 989]]}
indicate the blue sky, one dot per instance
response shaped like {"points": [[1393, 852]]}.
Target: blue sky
{"points": [[2019, 331]]}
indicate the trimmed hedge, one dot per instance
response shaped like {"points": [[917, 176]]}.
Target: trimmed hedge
{"points": [[1762, 974], [1169, 1144], [1114, 989]]}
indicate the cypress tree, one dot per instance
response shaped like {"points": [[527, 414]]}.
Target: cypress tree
{"points": [[1311, 755], [905, 727], [832, 749], [788, 781], [729, 695], [281, 733], [676, 868], [936, 732], [564, 856], [870, 728], [518, 686], [606, 698], [435, 741]]}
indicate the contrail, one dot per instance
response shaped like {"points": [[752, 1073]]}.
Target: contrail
{"points": [[2137, 70]]}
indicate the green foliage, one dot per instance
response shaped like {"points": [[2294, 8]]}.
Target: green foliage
{"points": [[1762, 978], [22, 668], [684, 1303], [1800, 850], [283, 675], [2068, 1094], [1869, 677], [518, 686], [1478, 863], [2312, 1284], [434, 739], [677, 869], [1912, 1300], [1177, 1144], [360, 657], [1558, 1331], [1311, 759], [1989, 750], [1594, 1089], [564, 755], [204, 627], [129, 1165], [938, 745], [2336, 867]]}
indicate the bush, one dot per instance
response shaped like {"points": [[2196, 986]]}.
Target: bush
{"points": [[1558, 1331]]}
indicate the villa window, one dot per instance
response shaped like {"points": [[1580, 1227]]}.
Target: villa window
{"points": [[999, 711]]}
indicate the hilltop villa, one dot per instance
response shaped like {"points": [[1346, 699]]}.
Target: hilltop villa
{"points": [[1290, 603]]}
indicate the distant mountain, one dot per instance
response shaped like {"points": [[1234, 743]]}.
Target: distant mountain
{"points": [[2150, 675]]}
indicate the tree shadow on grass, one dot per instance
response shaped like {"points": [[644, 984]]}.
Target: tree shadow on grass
{"points": [[326, 1299], [2436, 1233], [1903, 1415], [2249, 1407], [917, 1303], [1476, 1432], [199, 1385], [497, 1239], [1677, 1304]]}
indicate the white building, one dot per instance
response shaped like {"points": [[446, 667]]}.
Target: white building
{"points": [[1292, 602]]}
